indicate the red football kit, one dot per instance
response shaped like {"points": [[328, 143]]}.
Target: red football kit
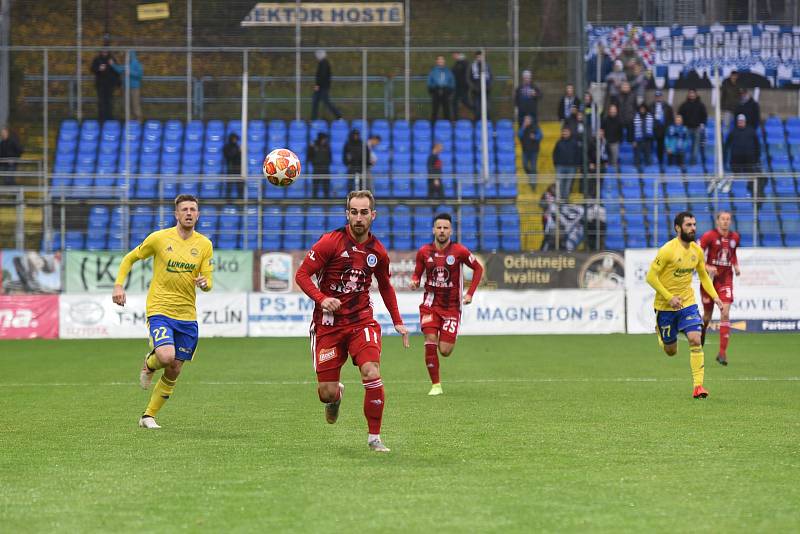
{"points": [[721, 253], [440, 311], [344, 270]]}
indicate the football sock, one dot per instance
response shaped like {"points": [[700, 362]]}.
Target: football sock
{"points": [[373, 404], [696, 357], [432, 361], [161, 392], [724, 336], [153, 363]]}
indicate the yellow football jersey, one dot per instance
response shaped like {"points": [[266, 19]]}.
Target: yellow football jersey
{"points": [[672, 270], [176, 264]]}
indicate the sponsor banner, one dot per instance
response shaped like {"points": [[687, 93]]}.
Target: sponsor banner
{"points": [[277, 269], [319, 14], [547, 270], [764, 292], [95, 272], [563, 311], [95, 316], [753, 325], [492, 312], [28, 316], [30, 272], [770, 54]]}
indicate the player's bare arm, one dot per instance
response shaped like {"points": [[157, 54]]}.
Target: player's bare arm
{"points": [[201, 282]]}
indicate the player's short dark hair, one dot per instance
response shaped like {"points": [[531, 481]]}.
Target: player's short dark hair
{"points": [[186, 198], [720, 212], [443, 216], [363, 193], [682, 216]]}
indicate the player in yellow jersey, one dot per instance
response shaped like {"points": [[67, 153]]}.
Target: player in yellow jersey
{"points": [[670, 275], [182, 261]]}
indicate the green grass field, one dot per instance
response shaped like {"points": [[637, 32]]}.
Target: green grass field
{"points": [[546, 433]]}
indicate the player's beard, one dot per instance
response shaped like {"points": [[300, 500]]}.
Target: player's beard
{"points": [[688, 238], [188, 226], [359, 230], [442, 240]]}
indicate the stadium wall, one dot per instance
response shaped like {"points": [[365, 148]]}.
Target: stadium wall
{"points": [[593, 293]]}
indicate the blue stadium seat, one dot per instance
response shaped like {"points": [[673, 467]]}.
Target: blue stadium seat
{"points": [[152, 131]]}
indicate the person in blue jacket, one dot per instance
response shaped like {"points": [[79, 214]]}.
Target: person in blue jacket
{"points": [[441, 83], [135, 76]]}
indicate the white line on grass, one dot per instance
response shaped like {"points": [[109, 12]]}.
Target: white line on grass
{"points": [[473, 381]]}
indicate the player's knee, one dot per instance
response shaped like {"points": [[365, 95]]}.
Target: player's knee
{"points": [[671, 350], [327, 391], [445, 349], [166, 354], [370, 371]]}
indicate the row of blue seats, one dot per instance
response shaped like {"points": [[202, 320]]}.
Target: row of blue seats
{"points": [[86, 150], [633, 187], [415, 186]]}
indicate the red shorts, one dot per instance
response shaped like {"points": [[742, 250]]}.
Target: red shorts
{"points": [[330, 348], [439, 321], [724, 286]]}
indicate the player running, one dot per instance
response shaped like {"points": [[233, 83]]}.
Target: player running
{"points": [[344, 262], [182, 261], [670, 275], [720, 246], [440, 311]]}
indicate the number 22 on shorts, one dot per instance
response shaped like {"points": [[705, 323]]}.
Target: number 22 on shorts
{"points": [[159, 333]]}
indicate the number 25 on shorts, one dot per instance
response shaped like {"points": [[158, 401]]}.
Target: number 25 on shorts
{"points": [[450, 325]]}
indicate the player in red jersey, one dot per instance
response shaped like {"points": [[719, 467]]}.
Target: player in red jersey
{"points": [[344, 262], [720, 246], [440, 311]]}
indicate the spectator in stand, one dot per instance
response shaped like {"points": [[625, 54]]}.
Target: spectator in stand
{"points": [[744, 151], [135, 77], [695, 116], [566, 102], [571, 120], [677, 143], [10, 148], [435, 185], [549, 205], [530, 136], [319, 154], [478, 65], [106, 80], [372, 158], [233, 164], [730, 96], [749, 108], [322, 86], [612, 126], [626, 103], [643, 126], [638, 80], [663, 117], [441, 84], [461, 76], [353, 158], [615, 79], [527, 98], [595, 179], [566, 158], [606, 65], [588, 113]]}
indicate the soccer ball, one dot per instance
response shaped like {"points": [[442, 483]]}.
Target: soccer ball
{"points": [[281, 167]]}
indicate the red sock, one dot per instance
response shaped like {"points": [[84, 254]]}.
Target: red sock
{"points": [[724, 335], [373, 404], [432, 361]]}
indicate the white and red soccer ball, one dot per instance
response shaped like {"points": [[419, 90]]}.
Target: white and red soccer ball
{"points": [[281, 167]]}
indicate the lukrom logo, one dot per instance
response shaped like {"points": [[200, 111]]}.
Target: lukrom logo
{"points": [[20, 318]]}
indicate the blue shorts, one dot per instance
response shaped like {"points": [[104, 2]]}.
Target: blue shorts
{"points": [[167, 331], [685, 320]]}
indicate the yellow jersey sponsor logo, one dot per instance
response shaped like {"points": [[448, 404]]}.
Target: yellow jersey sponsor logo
{"points": [[180, 267]]}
